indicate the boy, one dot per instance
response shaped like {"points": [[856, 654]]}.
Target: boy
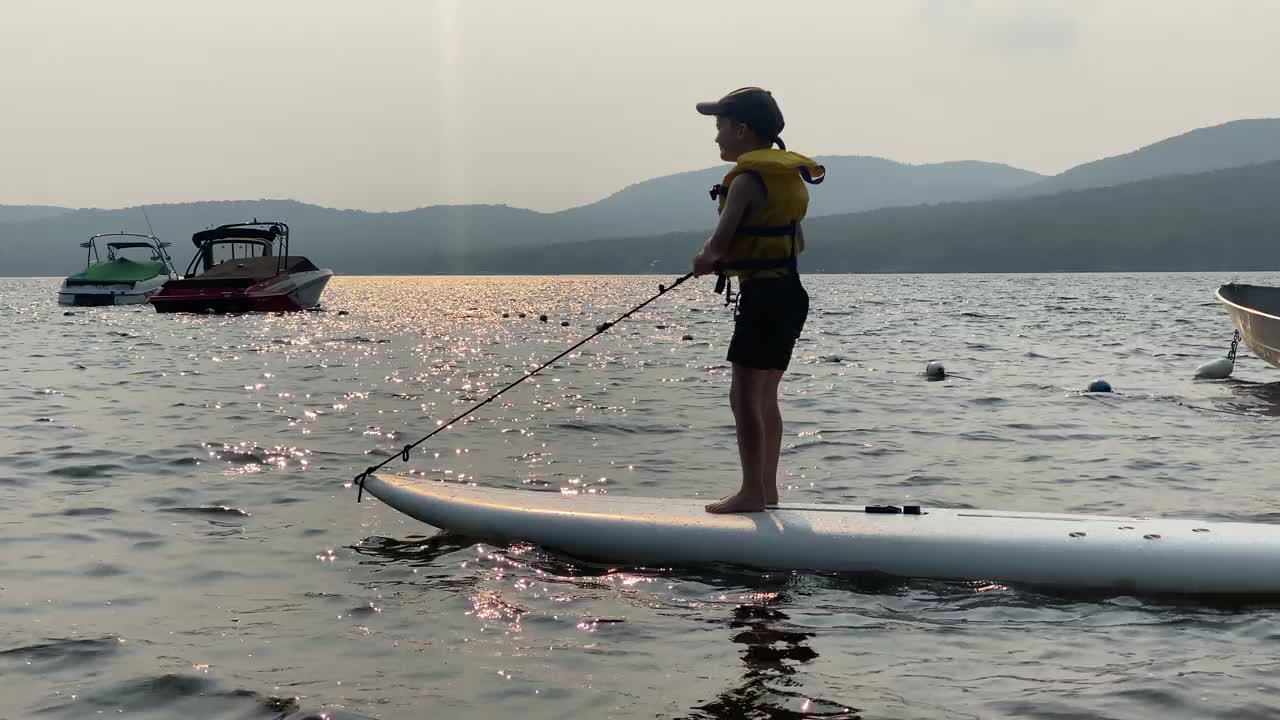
{"points": [[762, 201]]}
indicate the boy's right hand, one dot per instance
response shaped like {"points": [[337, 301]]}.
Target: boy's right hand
{"points": [[703, 265]]}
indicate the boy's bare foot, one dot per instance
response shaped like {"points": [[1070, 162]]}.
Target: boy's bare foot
{"points": [[738, 503]]}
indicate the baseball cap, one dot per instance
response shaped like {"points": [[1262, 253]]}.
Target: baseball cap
{"points": [[751, 106]]}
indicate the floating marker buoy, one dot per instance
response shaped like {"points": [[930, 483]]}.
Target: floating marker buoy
{"points": [[564, 323], [661, 327], [543, 318], [935, 369], [1219, 369], [1100, 386], [343, 312], [603, 326], [506, 315], [687, 337]]}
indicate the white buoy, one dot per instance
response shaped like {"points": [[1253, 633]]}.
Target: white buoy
{"points": [[1219, 369], [935, 369]]}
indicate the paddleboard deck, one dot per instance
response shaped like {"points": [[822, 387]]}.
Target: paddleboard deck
{"points": [[1076, 552]]}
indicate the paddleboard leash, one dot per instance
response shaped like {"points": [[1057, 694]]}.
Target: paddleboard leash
{"points": [[600, 329]]}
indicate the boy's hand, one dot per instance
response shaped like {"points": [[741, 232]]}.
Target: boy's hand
{"points": [[702, 265]]}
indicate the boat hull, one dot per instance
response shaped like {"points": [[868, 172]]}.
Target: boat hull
{"points": [[284, 293], [98, 294], [1255, 310]]}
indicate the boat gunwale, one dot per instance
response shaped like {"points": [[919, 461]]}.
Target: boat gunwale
{"points": [[1218, 293]]}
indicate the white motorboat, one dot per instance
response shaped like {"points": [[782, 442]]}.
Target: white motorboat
{"points": [[119, 280]]}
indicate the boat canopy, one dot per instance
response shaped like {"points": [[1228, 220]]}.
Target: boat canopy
{"points": [[239, 232], [270, 237], [153, 243]]}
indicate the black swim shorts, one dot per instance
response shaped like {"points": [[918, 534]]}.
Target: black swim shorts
{"points": [[771, 313]]}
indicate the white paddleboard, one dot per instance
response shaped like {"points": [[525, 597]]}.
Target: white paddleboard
{"points": [[1077, 552]]}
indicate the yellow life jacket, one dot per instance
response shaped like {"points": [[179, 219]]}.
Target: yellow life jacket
{"points": [[765, 243]]}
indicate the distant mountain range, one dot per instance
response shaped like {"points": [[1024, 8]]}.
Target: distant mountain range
{"points": [[853, 184], [445, 239], [349, 241], [20, 213], [1243, 142], [872, 213], [1221, 220]]}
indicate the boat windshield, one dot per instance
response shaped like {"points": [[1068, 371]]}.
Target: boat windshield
{"points": [[236, 241], [219, 251], [128, 246], [135, 251]]}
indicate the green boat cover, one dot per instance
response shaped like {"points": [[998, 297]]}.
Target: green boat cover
{"points": [[120, 270]]}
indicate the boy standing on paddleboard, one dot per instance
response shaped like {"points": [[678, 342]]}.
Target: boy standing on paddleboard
{"points": [[762, 201]]}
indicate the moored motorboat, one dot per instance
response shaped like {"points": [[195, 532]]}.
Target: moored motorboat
{"points": [[1255, 310], [120, 279], [258, 276]]}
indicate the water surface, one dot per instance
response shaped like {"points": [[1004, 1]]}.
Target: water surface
{"points": [[179, 537]]}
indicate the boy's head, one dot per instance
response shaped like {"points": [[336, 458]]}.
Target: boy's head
{"points": [[746, 119]]}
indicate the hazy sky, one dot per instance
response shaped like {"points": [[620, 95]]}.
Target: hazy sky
{"points": [[393, 104]]}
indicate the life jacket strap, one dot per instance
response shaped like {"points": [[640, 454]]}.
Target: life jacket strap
{"points": [[770, 231], [808, 177], [725, 285]]}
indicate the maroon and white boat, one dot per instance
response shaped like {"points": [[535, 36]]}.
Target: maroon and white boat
{"points": [[259, 275]]}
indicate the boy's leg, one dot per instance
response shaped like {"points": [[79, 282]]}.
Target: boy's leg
{"points": [[772, 433], [745, 394]]}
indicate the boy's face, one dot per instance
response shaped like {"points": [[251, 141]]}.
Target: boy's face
{"points": [[732, 137]]}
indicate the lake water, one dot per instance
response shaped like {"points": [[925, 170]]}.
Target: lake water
{"points": [[178, 535]]}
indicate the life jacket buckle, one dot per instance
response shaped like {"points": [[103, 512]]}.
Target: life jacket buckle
{"points": [[725, 285]]}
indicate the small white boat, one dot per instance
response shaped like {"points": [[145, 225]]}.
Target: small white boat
{"points": [[119, 280], [1255, 309]]}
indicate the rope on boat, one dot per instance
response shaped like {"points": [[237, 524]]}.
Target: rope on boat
{"points": [[601, 328]]}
